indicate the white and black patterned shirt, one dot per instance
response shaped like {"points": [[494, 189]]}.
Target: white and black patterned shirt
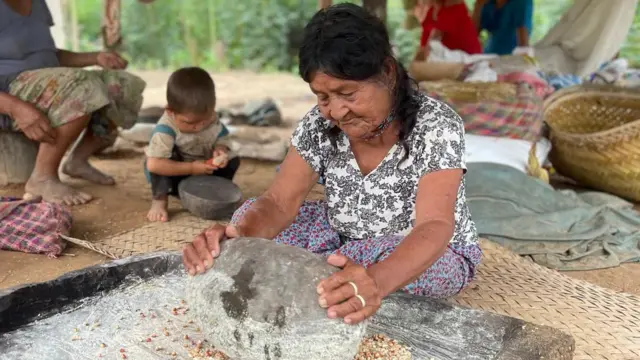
{"points": [[383, 202]]}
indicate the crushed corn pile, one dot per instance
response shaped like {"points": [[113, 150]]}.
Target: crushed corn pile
{"points": [[376, 347], [381, 347]]}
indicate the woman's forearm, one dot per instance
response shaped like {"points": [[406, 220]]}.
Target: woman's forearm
{"points": [[413, 256], [266, 218], [73, 59]]}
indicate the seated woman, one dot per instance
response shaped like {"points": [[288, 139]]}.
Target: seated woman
{"points": [[46, 96], [449, 22], [508, 23], [395, 215]]}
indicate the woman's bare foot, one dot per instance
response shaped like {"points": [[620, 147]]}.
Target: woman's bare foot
{"points": [[158, 211], [84, 170], [52, 190]]}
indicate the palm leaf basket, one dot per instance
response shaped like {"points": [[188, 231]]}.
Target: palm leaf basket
{"points": [[595, 133]]}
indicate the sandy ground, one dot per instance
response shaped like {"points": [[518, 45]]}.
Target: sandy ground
{"points": [[124, 206]]}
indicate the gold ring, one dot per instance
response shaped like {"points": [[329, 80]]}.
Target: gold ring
{"points": [[364, 303], [355, 288]]}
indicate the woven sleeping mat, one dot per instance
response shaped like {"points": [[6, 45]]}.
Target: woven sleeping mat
{"points": [[604, 323], [152, 237]]}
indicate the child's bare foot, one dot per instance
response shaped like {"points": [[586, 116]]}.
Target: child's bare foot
{"points": [[52, 190], [158, 211], [84, 170]]}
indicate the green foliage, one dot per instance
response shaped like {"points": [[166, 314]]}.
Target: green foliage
{"points": [[258, 34]]}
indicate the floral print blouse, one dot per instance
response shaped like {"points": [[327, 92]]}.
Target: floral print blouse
{"points": [[383, 202]]}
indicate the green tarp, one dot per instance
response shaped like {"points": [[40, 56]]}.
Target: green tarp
{"points": [[559, 229]]}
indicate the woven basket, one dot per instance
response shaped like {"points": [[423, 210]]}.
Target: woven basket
{"points": [[595, 133], [469, 91]]}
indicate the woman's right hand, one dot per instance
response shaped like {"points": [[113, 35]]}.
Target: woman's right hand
{"points": [[198, 256], [32, 122]]}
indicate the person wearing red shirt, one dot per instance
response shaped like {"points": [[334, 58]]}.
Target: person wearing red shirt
{"points": [[449, 22]]}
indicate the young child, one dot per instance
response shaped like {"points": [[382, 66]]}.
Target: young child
{"points": [[188, 139]]}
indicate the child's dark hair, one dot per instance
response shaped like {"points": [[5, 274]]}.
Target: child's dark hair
{"points": [[191, 90], [347, 42]]}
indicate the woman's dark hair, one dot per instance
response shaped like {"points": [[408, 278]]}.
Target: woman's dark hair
{"points": [[345, 41]]}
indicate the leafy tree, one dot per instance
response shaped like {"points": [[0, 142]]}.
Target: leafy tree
{"points": [[259, 34]]}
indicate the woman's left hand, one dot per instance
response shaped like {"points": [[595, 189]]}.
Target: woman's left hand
{"points": [[111, 60], [350, 293]]}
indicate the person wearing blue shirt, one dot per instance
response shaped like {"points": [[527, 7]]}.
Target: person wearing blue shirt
{"points": [[508, 23]]}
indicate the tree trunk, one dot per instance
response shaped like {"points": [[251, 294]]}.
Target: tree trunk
{"points": [[410, 21], [376, 7], [323, 4]]}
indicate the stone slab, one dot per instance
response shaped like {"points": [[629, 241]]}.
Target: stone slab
{"points": [[434, 330]]}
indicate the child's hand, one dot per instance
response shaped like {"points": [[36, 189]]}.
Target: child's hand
{"points": [[220, 157], [202, 167]]}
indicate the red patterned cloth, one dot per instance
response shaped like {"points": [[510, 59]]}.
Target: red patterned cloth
{"points": [[33, 226], [517, 117], [539, 85]]}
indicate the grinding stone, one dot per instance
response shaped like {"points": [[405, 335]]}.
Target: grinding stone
{"points": [[259, 301], [209, 197]]}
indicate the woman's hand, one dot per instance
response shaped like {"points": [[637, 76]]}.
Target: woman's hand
{"points": [[111, 60], [32, 122], [350, 293], [198, 256]]}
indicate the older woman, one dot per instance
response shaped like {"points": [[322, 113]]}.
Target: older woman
{"points": [[45, 95], [393, 162]]}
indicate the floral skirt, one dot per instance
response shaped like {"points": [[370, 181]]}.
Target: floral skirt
{"points": [[311, 230], [112, 97]]}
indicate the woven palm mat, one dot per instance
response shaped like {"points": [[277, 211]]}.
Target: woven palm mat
{"points": [[605, 324], [152, 237]]}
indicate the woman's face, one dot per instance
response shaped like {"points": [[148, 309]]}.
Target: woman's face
{"points": [[356, 107]]}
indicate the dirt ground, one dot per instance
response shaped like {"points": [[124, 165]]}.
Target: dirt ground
{"points": [[124, 206]]}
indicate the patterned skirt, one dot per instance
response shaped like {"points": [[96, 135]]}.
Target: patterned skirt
{"points": [[311, 230], [112, 97]]}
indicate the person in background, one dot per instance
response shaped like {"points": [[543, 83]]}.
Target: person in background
{"points": [[188, 139], [449, 22], [47, 95], [508, 23]]}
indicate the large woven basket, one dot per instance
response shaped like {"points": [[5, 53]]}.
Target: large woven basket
{"points": [[595, 132]]}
